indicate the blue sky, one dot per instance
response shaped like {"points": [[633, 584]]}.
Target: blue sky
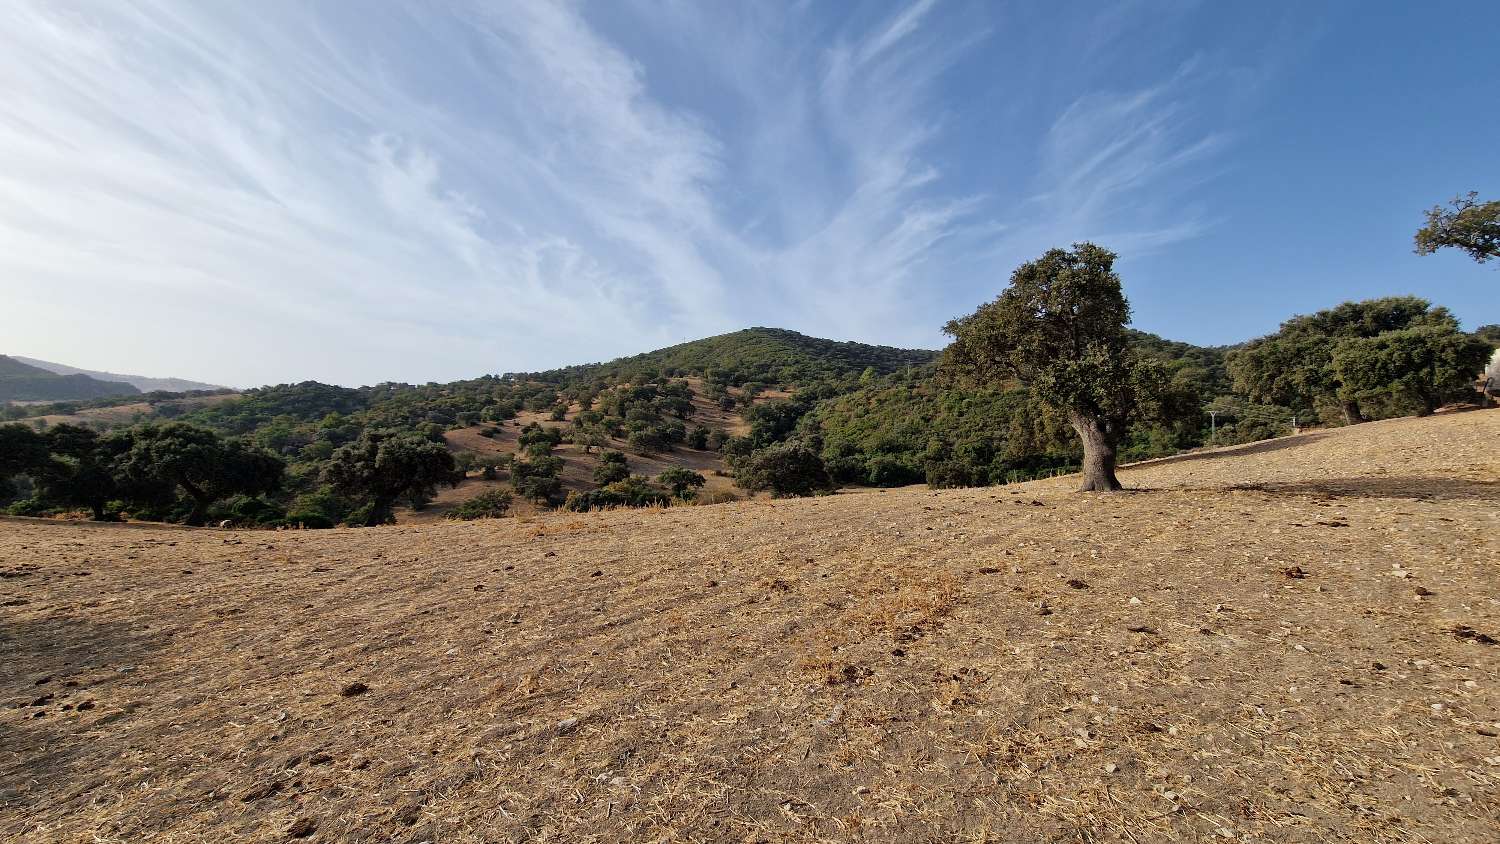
{"points": [[262, 192]]}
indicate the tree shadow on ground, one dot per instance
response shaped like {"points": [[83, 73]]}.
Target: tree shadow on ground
{"points": [[1426, 489], [55, 690], [1260, 447]]}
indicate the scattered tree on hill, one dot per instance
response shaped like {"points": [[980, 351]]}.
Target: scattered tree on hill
{"points": [[1424, 367], [383, 466], [537, 479], [492, 504], [1294, 367], [1466, 224], [786, 469], [1059, 329], [683, 483], [611, 468]]}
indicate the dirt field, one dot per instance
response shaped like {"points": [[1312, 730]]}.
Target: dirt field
{"points": [[1290, 641]]}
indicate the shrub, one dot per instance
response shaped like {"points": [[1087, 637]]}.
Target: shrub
{"points": [[487, 505], [634, 491], [682, 482], [786, 469]]}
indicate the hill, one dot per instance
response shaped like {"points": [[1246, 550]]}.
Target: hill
{"points": [[764, 355], [21, 381], [142, 383], [1290, 641]]}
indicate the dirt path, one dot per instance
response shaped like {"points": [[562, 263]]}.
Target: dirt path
{"points": [[1295, 643]]}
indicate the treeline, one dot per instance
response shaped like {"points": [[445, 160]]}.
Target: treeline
{"points": [[317, 455]]}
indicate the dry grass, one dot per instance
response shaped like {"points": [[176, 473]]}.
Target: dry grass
{"points": [[1009, 664]]}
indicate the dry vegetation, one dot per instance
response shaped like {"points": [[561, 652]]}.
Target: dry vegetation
{"points": [[1292, 641]]}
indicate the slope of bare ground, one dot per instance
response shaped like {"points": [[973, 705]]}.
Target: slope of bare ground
{"points": [[1293, 641]]}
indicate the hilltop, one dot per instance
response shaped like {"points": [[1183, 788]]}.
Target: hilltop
{"points": [[1285, 641], [20, 381], [767, 355]]}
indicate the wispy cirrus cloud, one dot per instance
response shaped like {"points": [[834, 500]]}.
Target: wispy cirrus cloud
{"points": [[291, 190]]}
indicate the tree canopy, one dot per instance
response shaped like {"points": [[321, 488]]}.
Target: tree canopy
{"points": [[383, 466], [1466, 224], [1294, 367], [1059, 329]]}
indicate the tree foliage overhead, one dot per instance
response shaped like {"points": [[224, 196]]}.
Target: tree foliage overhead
{"points": [[1466, 224]]}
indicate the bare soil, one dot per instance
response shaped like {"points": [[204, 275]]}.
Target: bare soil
{"points": [[1293, 641]]}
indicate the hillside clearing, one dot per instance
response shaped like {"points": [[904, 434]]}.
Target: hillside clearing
{"points": [[1290, 641]]}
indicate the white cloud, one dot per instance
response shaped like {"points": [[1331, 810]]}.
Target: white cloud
{"points": [[250, 193]]}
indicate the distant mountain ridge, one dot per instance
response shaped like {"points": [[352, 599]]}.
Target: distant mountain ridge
{"points": [[141, 383], [20, 381]]}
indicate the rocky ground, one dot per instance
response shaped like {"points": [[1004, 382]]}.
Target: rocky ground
{"points": [[1289, 641]]}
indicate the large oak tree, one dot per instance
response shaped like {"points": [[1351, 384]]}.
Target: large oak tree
{"points": [[1059, 329]]}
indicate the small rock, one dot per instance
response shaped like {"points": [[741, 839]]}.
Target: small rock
{"points": [[85, 706], [1423, 591], [566, 725], [319, 758], [1075, 583], [1134, 601], [1294, 572], [1110, 767], [302, 827], [597, 574], [355, 688]]}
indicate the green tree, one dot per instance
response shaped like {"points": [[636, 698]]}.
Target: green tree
{"points": [[1059, 329], [81, 470], [492, 504], [682, 482], [612, 467], [1294, 366], [196, 460], [1422, 366], [1466, 224], [786, 469], [22, 449], [384, 465]]}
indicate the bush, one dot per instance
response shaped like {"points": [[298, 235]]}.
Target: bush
{"points": [[786, 469], [308, 520], [631, 492], [30, 507], [487, 505], [683, 483]]}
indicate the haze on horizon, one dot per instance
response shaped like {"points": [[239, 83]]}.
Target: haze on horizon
{"points": [[279, 191]]}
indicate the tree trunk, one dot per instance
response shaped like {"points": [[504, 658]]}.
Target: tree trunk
{"points": [[1352, 415], [201, 502], [1098, 454], [380, 511]]}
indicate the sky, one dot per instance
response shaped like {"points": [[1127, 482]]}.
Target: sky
{"points": [[249, 193]]}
